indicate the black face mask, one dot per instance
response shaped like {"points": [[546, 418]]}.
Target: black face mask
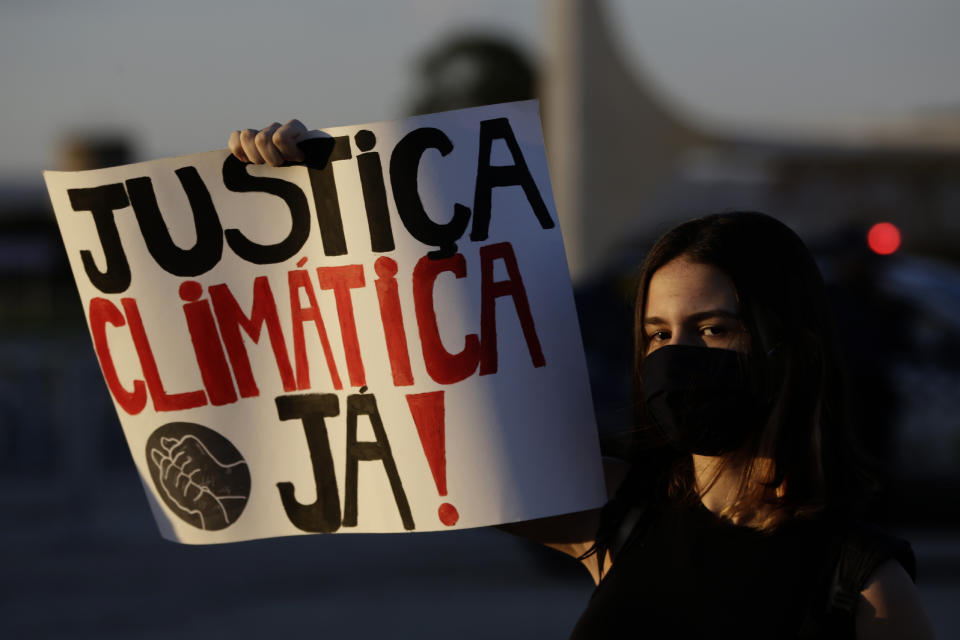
{"points": [[700, 398]]}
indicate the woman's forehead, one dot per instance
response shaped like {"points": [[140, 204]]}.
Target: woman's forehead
{"points": [[683, 287]]}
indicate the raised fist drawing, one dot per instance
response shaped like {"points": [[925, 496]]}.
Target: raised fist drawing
{"points": [[198, 474]]}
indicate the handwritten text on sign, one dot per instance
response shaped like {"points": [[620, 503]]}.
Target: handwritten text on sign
{"points": [[343, 345]]}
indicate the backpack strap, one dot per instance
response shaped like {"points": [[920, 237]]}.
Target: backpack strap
{"points": [[858, 552]]}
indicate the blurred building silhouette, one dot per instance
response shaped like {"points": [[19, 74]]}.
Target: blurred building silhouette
{"points": [[57, 422], [472, 69], [80, 151], [625, 163]]}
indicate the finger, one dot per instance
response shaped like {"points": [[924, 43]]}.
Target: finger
{"points": [[269, 151], [192, 492], [249, 145], [189, 465], [165, 468], [286, 137], [178, 458], [236, 148], [182, 483], [168, 444], [157, 458]]}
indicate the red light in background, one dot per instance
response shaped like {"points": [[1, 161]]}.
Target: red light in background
{"points": [[883, 238]]}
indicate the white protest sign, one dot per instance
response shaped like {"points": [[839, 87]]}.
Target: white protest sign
{"points": [[381, 340]]}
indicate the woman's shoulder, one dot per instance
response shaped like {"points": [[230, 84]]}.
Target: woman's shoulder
{"points": [[889, 606], [872, 584], [865, 546]]}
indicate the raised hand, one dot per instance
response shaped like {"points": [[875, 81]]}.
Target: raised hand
{"points": [[275, 144]]}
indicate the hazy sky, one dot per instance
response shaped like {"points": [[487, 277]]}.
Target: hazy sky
{"points": [[181, 74]]}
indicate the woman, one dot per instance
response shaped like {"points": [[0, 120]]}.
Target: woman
{"points": [[745, 487], [737, 514]]}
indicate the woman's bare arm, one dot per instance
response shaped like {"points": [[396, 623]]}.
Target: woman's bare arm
{"points": [[890, 607], [572, 533]]}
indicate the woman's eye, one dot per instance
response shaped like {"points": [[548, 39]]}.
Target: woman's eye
{"points": [[713, 331], [658, 336]]}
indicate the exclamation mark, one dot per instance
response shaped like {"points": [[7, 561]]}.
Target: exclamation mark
{"points": [[427, 412]]}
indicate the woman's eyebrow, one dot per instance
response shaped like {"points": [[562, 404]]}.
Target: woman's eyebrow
{"points": [[697, 317], [714, 313]]}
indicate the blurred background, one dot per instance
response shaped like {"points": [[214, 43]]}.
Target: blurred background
{"points": [[834, 117]]}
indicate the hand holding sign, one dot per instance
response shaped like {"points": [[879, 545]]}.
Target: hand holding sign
{"points": [[275, 144]]}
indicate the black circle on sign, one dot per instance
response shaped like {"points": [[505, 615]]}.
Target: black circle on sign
{"points": [[198, 474]]}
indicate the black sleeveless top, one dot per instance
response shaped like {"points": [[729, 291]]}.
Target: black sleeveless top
{"points": [[688, 574]]}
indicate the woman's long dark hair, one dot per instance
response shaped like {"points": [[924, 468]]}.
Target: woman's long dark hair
{"points": [[804, 461]]}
